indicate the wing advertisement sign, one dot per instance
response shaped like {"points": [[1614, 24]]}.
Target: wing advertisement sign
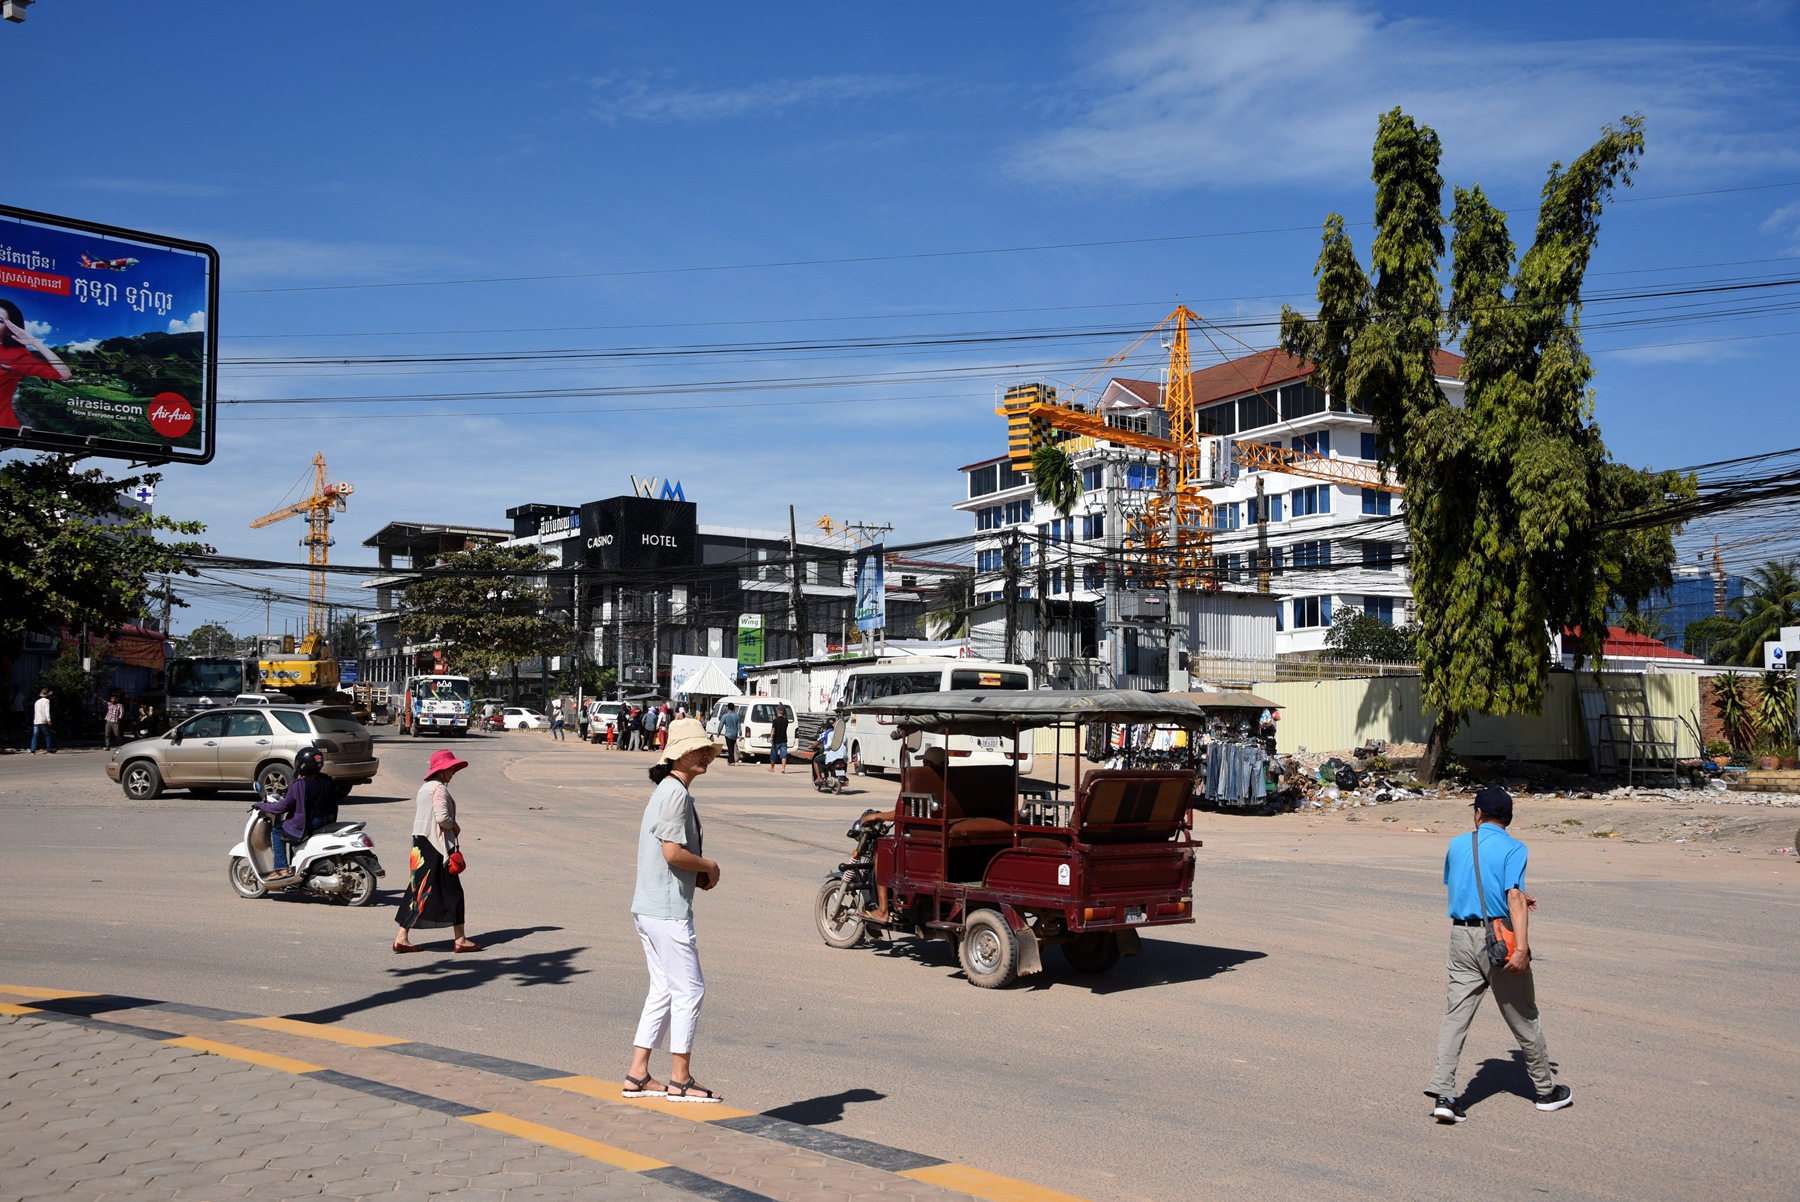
{"points": [[108, 340], [871, 588]]}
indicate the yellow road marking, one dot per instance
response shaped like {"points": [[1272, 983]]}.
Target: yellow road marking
{"points": [[294, 1026], [9, 1008], [580, 1145], [233, 1052], [32, 991], [983, 1184], [593, 1087]]}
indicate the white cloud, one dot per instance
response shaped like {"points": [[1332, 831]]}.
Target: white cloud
{"points": [[192, 325], [86, 344], [37, 329], [185, 189], [1229, 96], [1785, 224], [251, 261], [620, 99]]}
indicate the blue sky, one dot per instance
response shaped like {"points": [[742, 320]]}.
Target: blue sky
{"points": [[654, 163]]}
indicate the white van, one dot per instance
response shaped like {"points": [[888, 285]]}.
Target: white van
{"points": [[873, 747], [759, 717]]}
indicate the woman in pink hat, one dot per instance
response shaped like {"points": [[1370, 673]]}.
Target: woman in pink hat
{"points": [[434, 896]]}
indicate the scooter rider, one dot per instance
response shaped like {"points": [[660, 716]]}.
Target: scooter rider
{"points": [[310, 802], [827, 750]]}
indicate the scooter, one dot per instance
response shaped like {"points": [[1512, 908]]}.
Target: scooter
{"points": [[336, 861], [832, 777]]}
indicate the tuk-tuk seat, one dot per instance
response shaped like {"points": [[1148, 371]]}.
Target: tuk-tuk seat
{"points": [[978, 802], [1127, 806]]}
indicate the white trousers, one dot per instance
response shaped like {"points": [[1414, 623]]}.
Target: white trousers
{"points": [[672, 1007]]}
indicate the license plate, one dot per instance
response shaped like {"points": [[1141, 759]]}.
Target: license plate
{"points": [[1134, 913], [988, 743]]}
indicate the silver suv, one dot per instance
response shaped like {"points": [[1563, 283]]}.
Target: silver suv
{"points": [[245, 747]]}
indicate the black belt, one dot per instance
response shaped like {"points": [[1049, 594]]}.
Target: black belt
{"points": [[1465, 922]]}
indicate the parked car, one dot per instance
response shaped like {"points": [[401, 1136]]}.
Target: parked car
{"points": [[515, 717], [245, 747], [602, 717]]}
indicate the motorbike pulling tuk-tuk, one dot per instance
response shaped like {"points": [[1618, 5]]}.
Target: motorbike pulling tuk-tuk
{"points": [[1003, 864]]}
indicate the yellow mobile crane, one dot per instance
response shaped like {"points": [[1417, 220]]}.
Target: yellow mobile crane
{"points": [[313, 674], [1181, 540]]}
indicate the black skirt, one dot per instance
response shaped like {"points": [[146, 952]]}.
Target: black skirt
{"points": [[434, 896]]}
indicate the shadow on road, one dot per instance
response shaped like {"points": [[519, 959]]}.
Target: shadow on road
{"points": [[1160, 963], [1498, 1076], [370, 799], [451, 973], [815, 1112]]}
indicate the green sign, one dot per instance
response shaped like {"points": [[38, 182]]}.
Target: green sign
{"points": [[750, 641]]}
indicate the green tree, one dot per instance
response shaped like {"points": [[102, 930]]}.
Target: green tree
{"points": [[1058, 485], [71, 551], [72, 687], [1706, 637], [210, 638], [1775, 712], [1354, 635], [947, 606], [1731, 697], [1771, 601], [487, 609], [1518, 520]]}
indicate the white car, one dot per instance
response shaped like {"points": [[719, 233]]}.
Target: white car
{"points": [[515, 717]]}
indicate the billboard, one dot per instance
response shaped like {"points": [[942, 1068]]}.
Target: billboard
{"points": [[751, 647], [108, 340], [630, 533], [871, 588]]}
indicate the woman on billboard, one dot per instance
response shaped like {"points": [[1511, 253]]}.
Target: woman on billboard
{"points": [[22, 354]]}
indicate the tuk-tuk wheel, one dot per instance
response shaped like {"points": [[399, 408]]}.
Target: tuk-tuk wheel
{"points": [[1095, 951], [840, 923], [989, 950]]}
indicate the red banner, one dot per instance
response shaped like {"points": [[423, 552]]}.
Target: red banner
{"points": [[34, 281]]}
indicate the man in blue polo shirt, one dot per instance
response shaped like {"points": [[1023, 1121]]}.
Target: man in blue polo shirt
{"points": [[1472, 974]]}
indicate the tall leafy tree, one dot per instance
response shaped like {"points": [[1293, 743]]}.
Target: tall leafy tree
{"points": [[210, 638], [1513, 507], [486, 607], [73, 553], [1771, 601]]}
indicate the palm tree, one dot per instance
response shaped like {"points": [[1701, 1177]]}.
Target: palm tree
{"points": [[1772, 601], [1058, 485]]}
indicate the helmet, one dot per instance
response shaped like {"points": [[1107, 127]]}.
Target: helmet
{"points": [[308, 761]]}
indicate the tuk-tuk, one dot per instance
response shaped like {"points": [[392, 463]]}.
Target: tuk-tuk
{"points": [[1004, 864]]}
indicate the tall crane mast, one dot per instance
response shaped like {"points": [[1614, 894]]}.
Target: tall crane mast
{"points": [[326, 499]]}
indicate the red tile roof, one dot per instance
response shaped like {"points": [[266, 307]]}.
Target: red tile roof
{"points": [[1259, 372], [1622, 644]]}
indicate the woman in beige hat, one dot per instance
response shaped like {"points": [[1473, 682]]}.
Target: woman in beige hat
{"points": [[669, 868], [434, 894]]}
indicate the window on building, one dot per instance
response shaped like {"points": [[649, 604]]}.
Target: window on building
{"points": [[1010, 478], [1018, 511], [1316, 443], [1314, 553], [1311, 611], [1256, 411], [1093, 527], [1217, 419], [1379, 608], [987, 518], [1056, 581], [1368, 445], [1271, 503], [1302, 400], [1025, 593], [984, 480], [1093, 577], [1227, 516], [1377, 555], [1093, 477], [1024, 555], [1376, 502], [991, 595], [1142, 475], [1311, 500]]}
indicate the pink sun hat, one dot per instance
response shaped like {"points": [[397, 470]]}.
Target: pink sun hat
{"points": [[442, 761]]}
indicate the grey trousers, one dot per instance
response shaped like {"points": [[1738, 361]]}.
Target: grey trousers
{"points": [[1470, 977]]}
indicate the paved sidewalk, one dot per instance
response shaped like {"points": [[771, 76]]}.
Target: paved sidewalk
{"points": [[131, 1098]]}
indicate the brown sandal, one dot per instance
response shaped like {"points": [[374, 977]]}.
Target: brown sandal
{"points": [[466, 945]]}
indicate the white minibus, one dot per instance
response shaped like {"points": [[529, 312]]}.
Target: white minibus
{"points": [[873, 747]]}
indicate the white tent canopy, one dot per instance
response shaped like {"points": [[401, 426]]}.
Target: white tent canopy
{"points": [[706, 680]]}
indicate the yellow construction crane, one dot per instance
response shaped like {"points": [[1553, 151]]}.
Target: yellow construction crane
{"points": [[1175, 528], [315, 671]]}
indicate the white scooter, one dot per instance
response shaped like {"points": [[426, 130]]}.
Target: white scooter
{"points": [[336, 861]]}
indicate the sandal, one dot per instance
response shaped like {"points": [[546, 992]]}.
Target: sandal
{"points": [[639, 1087], [466, 945], [284, 877], [690, 1091]]}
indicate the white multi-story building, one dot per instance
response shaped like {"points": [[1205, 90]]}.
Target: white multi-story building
{"points": [[1316, 545]]}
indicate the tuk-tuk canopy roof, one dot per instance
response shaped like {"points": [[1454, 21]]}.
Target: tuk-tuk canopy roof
{"points": [[998, 712]]}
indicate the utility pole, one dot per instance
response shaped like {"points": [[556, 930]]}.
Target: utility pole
{"points": [[1041, 639], [1718, 581], [1175, 670], [1009, 593], [1262, 537], [796, 595], [1115, 629], [619, 634]]}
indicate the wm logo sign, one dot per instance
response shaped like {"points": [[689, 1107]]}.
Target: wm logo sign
{"points": [[645, 486]]}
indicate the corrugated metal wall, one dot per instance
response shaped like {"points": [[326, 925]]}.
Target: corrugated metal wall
{"points": [[1233, 625], [1335, 715]]}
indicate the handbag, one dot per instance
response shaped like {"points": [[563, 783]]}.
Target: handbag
{"points": [[1497, 938], [454, 862]]}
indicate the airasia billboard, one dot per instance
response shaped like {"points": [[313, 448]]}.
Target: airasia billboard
{"points": [[108, 340]]}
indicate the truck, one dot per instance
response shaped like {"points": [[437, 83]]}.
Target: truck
{"points": [[438, 702], [196, 682]]}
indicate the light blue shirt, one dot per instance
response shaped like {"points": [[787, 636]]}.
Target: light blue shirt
{"points": [[664, 891], [1502, 868], [731, 723]]}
